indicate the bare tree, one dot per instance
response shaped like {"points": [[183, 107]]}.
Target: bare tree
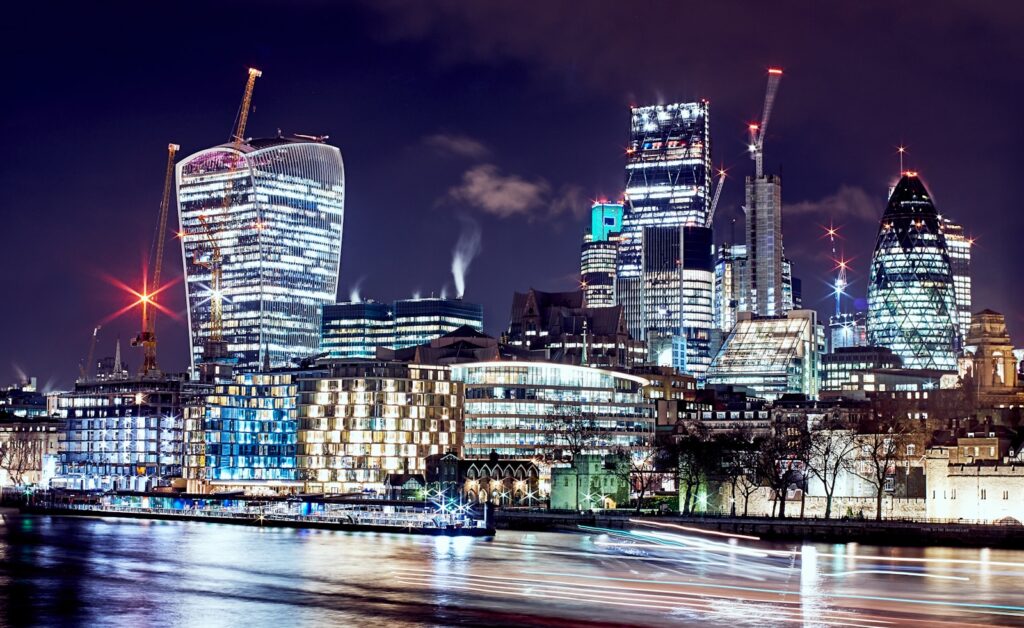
{"points": [[830, 452], [638, 468], [19, 454], [737, 456], [692, 453], [575, 430], [778, 464], [880, 451]]}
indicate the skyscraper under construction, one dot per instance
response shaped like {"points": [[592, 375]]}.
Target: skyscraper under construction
{"points": [[261, 226]]}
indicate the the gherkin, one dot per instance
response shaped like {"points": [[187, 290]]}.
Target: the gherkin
{"points": [[911, 296]]}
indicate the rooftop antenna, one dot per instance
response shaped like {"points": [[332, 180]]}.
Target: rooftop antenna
{"points": [[839, 287], [901, 150]]}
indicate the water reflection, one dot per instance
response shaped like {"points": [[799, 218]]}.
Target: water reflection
{"points": [[122, 572]]}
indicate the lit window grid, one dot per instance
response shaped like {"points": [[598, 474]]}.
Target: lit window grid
{"points": [[353, 432], [519, 427], [120, 433], [280, 239], [773, 356], [250, 431], [912, 294], [668, 161]]}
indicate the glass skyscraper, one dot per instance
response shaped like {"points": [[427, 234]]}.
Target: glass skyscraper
{"points": [[420, 320], [667, 185], [356, 329], [271, 210], [959, 246], [911, 293], [599, 254]]}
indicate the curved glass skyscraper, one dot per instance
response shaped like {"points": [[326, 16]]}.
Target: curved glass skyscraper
{"points": [[911, 295], [272, 211]]}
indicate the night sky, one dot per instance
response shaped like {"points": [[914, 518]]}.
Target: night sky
{"points": [[508, 117]]}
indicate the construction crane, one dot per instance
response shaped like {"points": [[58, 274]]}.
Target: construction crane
{"points": [[147, 338], [214, 262], [757, 131], [216, 299], [86, 368], [714, 200]]}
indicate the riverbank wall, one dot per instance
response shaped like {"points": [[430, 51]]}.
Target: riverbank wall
{"points": [[311, 523], [894, 532]]}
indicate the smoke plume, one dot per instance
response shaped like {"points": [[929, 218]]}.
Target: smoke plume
{"points": [[466, 248], [353, 294]]}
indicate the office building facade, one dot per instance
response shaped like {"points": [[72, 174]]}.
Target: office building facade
{"points": [[677, 287], [771, 356], [522, 409], [268, 214], [356, 329], [959, 247], [599, 254], [848, 329], [763, 286], [363, 420], [244, 435], [667, 185], [420, 320], [911, 293], [838, 366], [123, 434]]}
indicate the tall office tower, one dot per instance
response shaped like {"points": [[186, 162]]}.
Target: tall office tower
{"points": [[261, 225], [763, 287], [959, 247], [730, 264], [667, 185], [911, 294], [420, 320], [356, 329], [598, 254], [677, 285]]}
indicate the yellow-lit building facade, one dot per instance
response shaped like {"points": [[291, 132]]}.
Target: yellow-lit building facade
{"points": [[366, 419]]}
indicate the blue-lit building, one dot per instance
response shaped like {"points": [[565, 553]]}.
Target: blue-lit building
{"points": [[268, 214], [911, 292], [356, 329], [599, 254], [245, 434], [420, 320], [667, 186]]}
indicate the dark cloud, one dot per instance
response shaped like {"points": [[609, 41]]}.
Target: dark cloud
{"points": [[459, 145]]}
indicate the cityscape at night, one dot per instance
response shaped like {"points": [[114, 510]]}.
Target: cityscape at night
{"points": [[512, 314]]}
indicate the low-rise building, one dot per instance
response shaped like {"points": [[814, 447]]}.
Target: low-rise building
{"points": [[504, 481], [590, 482], [838, 366], [28, 449], [976, 476]]}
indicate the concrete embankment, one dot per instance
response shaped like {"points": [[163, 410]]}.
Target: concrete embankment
{"points": [[814, 530]]}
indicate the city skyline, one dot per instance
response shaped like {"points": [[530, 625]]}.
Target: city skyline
{"points": [[519, 184]]}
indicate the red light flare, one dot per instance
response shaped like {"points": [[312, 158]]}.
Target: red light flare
{"points": [[842, 263], [777, 71], [144, 298], [831, 231]]}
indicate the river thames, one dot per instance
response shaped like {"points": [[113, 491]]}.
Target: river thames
{"points": [[111, 572]]}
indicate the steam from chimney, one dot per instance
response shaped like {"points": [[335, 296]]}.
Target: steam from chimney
{"points": [[466, 248], [353, 294]]}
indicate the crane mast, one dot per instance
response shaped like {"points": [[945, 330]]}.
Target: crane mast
{"points": [[147, 338], [86, 368], [714, 200], [758, 131], [214, 263]]}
